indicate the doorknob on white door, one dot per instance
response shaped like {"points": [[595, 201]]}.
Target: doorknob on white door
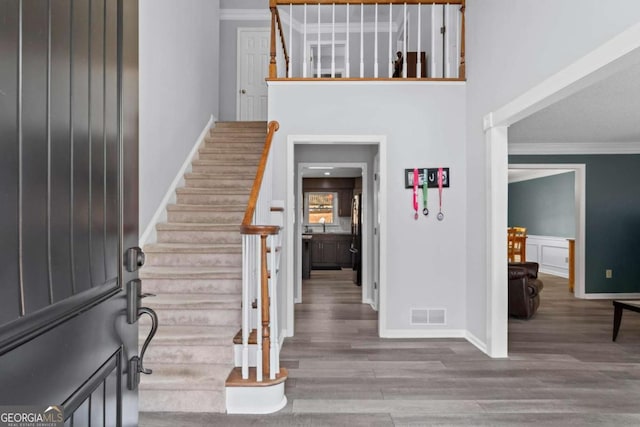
{"points": [[242, 91]]}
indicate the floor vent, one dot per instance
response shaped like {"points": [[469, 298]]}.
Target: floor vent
{"points": [[428, 316]]}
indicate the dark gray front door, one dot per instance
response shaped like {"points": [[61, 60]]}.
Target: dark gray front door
{"points": [[69, 205]]}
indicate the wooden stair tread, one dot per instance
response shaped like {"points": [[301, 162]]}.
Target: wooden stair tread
{"points": [[235, 378], [237, 339]]}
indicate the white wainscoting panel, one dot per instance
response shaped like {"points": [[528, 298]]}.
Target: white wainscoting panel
{"points": [[552, 253]]}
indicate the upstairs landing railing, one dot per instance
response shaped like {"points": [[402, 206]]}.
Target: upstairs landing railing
{"points": [[367, 39], [260, 269]]}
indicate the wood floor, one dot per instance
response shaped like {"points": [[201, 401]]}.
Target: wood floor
{"points": [[563, 369]]}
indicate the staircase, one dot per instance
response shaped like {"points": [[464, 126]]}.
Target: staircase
{"points": [[195, 270]]}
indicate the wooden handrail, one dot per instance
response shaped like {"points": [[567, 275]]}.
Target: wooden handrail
{"points": [[260, 230], [282, 40], [366, 2], [257, 182]]}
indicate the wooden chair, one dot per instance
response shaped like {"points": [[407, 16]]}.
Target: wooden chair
{"points": [[517, 244]]}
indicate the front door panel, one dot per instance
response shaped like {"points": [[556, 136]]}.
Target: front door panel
{"points": [[68, 191]]}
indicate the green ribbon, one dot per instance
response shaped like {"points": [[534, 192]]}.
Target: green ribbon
{"points": [[425, 193]]}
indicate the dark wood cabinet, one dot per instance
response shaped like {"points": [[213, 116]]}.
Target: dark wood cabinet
{"points": [[344, 203], [330, 250]]}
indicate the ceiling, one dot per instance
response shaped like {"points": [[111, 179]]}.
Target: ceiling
{"points": [[335, 172], [605, 112]]}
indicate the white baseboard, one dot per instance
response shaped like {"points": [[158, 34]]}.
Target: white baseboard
{"points": [[160, 215], [482, 346], [633, 295], [423, 333]]}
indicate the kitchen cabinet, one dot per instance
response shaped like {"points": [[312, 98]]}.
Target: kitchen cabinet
{"points": [[344, 202], [330, 250]]}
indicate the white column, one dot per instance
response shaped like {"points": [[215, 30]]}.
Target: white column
{"points": [[496, 211], [246, 305]]}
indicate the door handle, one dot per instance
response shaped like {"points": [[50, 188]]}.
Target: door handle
{"points": [[242, 91], [134, 258], [134, 312]]}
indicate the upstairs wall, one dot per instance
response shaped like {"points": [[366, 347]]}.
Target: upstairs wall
{"points": [[425, 127]]}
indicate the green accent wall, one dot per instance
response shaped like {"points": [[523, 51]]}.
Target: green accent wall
{"points": [[612, 218], [545, 206]]}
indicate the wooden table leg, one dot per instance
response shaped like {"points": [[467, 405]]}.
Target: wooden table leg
{"points": [[617, 319]]}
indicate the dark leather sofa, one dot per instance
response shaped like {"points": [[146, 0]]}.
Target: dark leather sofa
{"points": [[524, 289]]}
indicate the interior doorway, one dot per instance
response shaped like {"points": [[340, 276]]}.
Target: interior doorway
{"points": [[315, 151]]}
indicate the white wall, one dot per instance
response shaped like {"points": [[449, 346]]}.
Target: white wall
{"points": [[425, 127], [179, 52], [511, 46]]}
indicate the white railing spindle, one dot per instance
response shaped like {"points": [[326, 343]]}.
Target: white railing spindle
{"points": [[304, 44], [333, 41], [391, 52], [290, 70], [272, 308], [319, 67], [446, 53], [375, 44], [404, 45], [246, 302], [361, 40], [419, 59], [259, 367], [347, 63]]}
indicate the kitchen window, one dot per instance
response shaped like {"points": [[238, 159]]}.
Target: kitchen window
{"points": [[321, 208]]}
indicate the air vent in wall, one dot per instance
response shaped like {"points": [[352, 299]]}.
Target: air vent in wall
{"points": [[428, 316]]}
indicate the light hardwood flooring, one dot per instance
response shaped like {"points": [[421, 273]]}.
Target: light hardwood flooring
{"points": [[563, 369]]}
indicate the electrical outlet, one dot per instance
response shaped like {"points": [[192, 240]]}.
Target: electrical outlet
{"points": [[608, 274]]}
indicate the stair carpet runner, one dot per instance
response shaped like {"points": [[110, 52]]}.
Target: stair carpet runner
{"points": [[195, 271]]}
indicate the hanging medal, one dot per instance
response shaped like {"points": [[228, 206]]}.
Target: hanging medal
{"points": [[440, 184], [425, 193], [416, 178]]}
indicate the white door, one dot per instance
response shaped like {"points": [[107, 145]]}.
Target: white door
{"points": [[253, 68]]}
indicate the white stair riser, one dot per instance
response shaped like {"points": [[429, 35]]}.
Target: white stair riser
{"points": [[174, 236], [195, 259], [222, 317], [210, 217], [173, 286], [188, 354], [182, 401]]}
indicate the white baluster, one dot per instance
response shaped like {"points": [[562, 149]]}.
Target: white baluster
{"points": [[375, 44], [446, 53], [333, 41], [435, 31], [290, 70], [361, 40], [404, 45], [273, 284], [419, 64], [319, 68], [246, 306], [346, 54], [304, 44], [391, 53], [257, 285]]}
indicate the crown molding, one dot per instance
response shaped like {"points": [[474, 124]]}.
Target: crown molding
{"points": [[245, 15], [532, 148]]}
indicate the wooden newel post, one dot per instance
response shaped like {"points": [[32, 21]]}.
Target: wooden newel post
{"points": [[273, 68], [463, 65], [264, 295]]}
